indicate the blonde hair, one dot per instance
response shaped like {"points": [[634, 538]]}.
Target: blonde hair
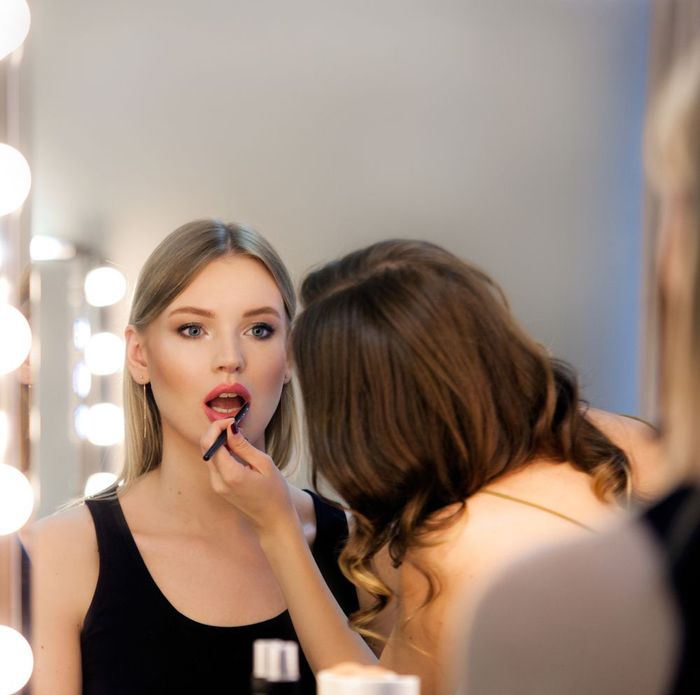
{"points": [[167, 272], [673, 162]]}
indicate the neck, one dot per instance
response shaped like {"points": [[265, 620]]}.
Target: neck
{"points": [[182, 488]]}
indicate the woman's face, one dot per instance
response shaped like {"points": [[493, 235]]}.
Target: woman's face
{"points": [[222, 342]]}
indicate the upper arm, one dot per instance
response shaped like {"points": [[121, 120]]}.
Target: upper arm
{"points": [[640, 442], [64, 575]]}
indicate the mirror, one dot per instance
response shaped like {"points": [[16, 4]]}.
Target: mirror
{"points": [[508, 132]]}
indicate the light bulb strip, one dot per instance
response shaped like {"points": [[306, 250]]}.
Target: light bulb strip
{"points": [[16, 658]]}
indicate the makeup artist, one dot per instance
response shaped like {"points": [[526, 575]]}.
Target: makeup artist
{"points": [[457, 442]]}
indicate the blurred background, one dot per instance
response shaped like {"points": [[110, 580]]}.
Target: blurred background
{"points": [[506, 130]]}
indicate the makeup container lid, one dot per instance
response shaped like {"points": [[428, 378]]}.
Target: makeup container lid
{"points": [[376, 684], [276, 660]]}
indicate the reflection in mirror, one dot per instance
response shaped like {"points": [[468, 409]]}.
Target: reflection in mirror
{"points": [[328, 128], [78, 423]]}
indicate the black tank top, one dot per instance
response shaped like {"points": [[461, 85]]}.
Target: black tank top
{"points": [[676, 523], [135, 642]]}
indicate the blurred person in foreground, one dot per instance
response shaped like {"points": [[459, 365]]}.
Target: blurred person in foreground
{"points": [[620, 613]]}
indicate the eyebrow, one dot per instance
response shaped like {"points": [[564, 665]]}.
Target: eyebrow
{"points": [[210, 314]]}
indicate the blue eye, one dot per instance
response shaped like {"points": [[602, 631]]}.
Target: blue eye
{"points": [[261, 331], [190, 330]]}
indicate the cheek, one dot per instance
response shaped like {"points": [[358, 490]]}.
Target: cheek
{"points": [[171, 373], [276, 372]]}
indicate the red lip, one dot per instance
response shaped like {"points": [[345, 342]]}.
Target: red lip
{"points": [[238, 389]]}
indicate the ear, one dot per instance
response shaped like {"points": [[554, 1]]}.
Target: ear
{"points": [[136, 355], [288, 371]]}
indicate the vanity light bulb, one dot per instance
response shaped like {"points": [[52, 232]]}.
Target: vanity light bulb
{"points": [[15, 19], [105, 424], [104, 286], [17, 338], [81, 333], [80, 420], [82, 380], [16, 661], [98, 482], [15, 178], [16, 500], [104, 353], [48, 248], [4, 432]]}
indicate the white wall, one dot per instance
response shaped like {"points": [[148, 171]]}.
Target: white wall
{"points": [[507, 130]]}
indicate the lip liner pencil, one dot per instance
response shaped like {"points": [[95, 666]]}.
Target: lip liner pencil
{"points": [[222, 437]]}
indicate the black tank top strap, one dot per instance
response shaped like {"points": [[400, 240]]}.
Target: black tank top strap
{"points": [[331, 535], [119, 558]]}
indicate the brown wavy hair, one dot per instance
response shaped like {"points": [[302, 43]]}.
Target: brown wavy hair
{"points": [[420, 388]]}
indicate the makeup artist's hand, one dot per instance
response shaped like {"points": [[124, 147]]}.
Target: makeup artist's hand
{"points": [[248, 478]]}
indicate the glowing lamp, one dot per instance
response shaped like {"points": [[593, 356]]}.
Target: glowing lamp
{"points": [[104, 286], [14, 25], [104, 353], [98, 482], [49, 248], [16, 661], [15, 179], [17, 338], [82, 380], [16, 500], [105, 424]]}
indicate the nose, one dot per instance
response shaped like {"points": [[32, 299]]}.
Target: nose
{"points": [[228, 355]]}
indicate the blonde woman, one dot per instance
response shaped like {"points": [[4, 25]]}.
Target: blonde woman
{"points": [[621, 613], [160, 585]]}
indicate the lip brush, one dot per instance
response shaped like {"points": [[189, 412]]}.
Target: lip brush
{"points": [[222, 437]]}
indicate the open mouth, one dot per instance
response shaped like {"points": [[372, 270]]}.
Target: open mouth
{"points": [[227, 404]]}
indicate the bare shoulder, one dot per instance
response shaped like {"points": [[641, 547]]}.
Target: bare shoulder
{"points": [[68, 528], [65, 567], [639, 440], [63, 551]]}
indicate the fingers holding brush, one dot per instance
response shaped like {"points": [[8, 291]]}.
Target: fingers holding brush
{"points": [[246, 477]]}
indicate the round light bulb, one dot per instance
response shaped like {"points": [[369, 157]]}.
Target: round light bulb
{"points": [[104, 353], [15, 178], [98, 482], [49, 248], [104, 286], [16, 661], [17, 338], [82, 380], [16, 499], [105, 424], [15, 19], [81, 333], [4, 432], [80, 420]]}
